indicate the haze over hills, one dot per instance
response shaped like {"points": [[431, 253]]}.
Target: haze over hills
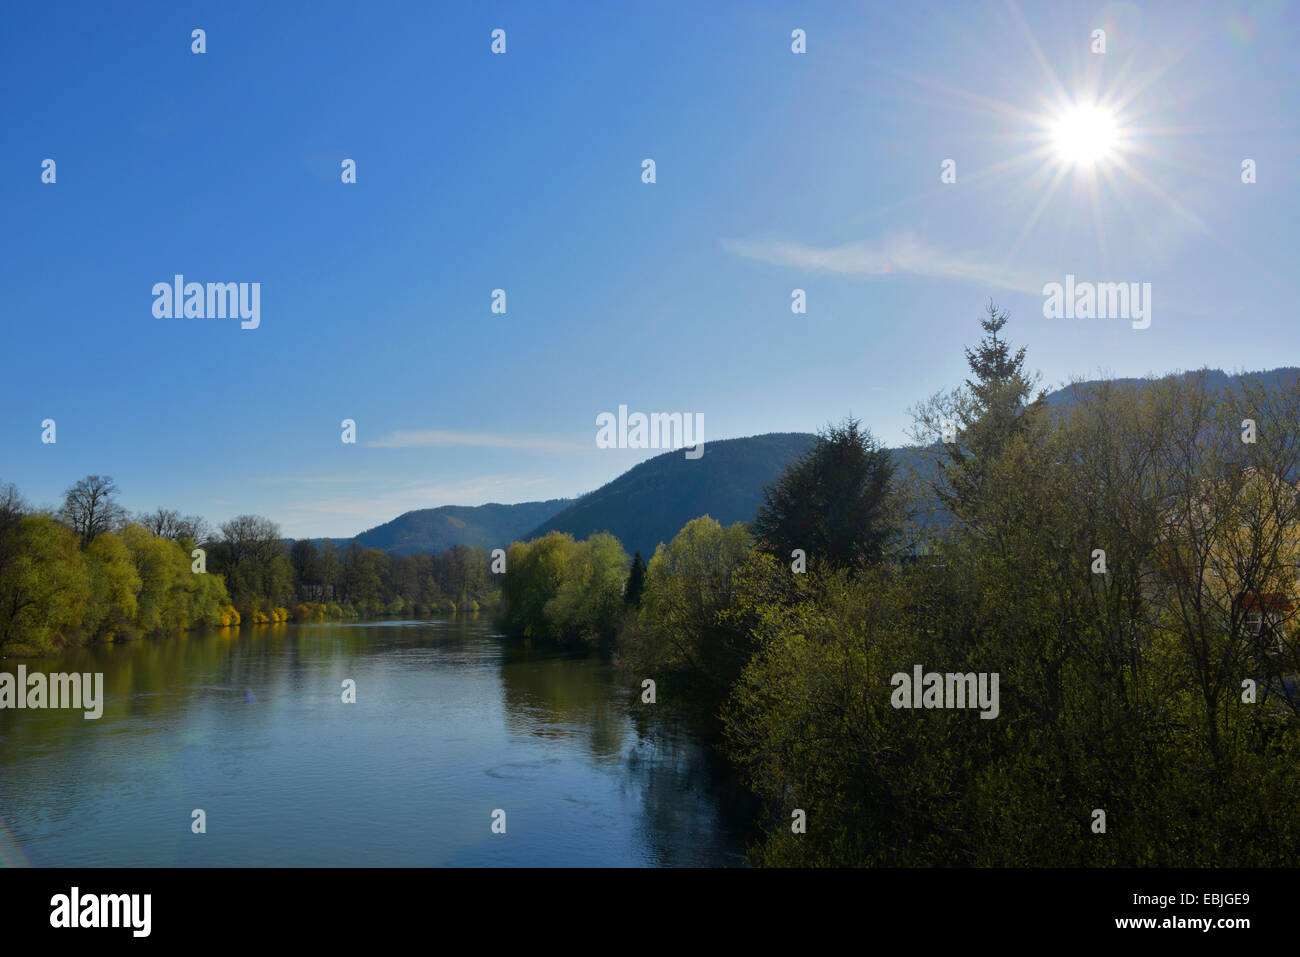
{"points": [[650, 502], [1271, 379], [437, 529]]}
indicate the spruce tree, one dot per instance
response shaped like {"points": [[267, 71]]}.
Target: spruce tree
{"points": [[835, 502], [999, 405], [635, 582]]}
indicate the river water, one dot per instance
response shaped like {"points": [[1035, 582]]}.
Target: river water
{"points": [[451, 723]]}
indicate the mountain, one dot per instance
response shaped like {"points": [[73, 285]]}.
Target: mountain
{"points": [[436, 529], [1271, 380], [650, 502]]}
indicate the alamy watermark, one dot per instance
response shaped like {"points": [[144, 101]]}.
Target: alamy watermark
{"points": [[934, 690], [58, 690], [179, 299], [1101, 300], [658, 430], [75, 909]]}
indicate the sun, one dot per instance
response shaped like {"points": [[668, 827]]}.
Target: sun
{"points": [[1085, 135]]}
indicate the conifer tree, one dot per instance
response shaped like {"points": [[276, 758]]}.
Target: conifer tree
{"points": [[835, 502], [635, 582], [997, 408]]}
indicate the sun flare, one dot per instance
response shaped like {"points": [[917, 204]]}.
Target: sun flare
{"points": [[1085, 135]]}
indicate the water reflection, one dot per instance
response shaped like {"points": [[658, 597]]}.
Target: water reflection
{"points": [[552, 694], [450, 722]]}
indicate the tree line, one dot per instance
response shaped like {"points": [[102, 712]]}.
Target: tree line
{"points": [[90, 571], [1127, 562]]}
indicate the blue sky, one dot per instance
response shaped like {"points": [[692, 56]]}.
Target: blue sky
{"points": [[522, 171]]}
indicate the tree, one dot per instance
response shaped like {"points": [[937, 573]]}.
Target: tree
{"points": [[996, 369], [635, 582], [88, 506], [466, 575], [252, 556], [404, 581], [168, 523], [809, 725], [1107, 572], [12, 510], [328, 556], [368, 574], [44, 588], [534, 572], [207, 598], [690, 586], [587, 605], [834, 502], [114, 585], [12, 506], [162, 569], [307, 569], [994, 407]]}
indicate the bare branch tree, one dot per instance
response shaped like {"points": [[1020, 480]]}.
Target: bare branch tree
{"points": [[169, 523], [89, 508]]}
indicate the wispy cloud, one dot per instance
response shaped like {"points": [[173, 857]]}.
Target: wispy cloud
{"points": [[433, 438], [898, 254]]}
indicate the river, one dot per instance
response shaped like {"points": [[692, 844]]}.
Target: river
{"points": [[451, 723]]}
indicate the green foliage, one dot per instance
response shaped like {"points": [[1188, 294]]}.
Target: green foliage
{"points": [[588, 604], [138, 581], [162, 568], [994, 408], [253, 559], [114, 582], [362, 578], [684, 626], [833, 502], [207, 598], [44, 586], [1119, 689], [534, 572]]}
